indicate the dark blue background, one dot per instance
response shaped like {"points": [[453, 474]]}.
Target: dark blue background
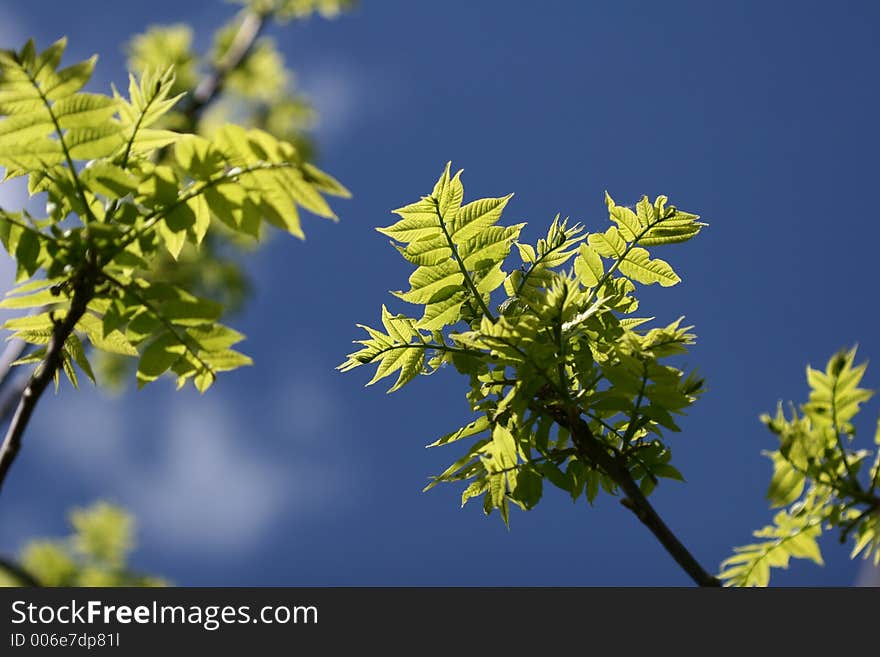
{"points": [[759, 116]]}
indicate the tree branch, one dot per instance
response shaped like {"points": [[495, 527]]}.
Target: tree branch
{"points": [[252, 25], [592, 450], [45, 372]]}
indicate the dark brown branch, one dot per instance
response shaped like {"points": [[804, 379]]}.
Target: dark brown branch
{"points": [[593, 451], [23, 576], [252, 25], [44, 373]]}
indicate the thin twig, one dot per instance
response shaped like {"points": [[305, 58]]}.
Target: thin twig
{"points": [[593, 451], [252, 25], [44, 373]]}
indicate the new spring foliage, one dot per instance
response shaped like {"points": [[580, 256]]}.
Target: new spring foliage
{"points": [[819, 477], [111, 208], [544, 335]]}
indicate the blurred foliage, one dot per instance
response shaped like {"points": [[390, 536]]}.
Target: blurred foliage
{"points": [[292, 9], [258, 92], [95, 553], [160, 47], [255, 90], [819, 475], [113, 270]]}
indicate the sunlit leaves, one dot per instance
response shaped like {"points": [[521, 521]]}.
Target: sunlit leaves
{"points": [[787, 483], [97, 158], [789, 536], [638, 266], [295, 9], [161, 47], [458, 250], [609, 244], [816, 475], [400, 350], [589, 266], [867, 539], [555, 351], [834, 394], [84, 110], [95, 553]]}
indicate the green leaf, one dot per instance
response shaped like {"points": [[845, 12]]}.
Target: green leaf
{"points": [[198, 206], [84, 110], [609, 244], [418, 221], [225, 360], [835, 396], [109, 180], [40, 153], [75, 349], [627, 221], [787, 483], [113, 342], [504, 449], [158, 358], [92, 143], [402, 349], [472, 219], [24, 128], [433, 284], [33, 300], [789, 536], [323, 181], [638, 266], [588, 266], [69, 80], [151, 139], [475, 428], [529, 487], [215, 337]]}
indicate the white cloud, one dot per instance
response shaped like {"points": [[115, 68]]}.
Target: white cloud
{"points": [[340, 94], [206, 488], [192, 471]]}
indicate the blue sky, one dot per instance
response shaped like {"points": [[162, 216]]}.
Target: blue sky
{"points": [[759, 116]]}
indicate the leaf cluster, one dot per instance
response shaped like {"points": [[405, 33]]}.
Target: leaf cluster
{"points": [[96, 552], [819, 476], [114, 205], [546, 341], [256, 90], [296, 9]]}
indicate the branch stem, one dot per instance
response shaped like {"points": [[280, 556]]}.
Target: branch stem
{"points": [[44, 373], [252, 25], [592, 450]]}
